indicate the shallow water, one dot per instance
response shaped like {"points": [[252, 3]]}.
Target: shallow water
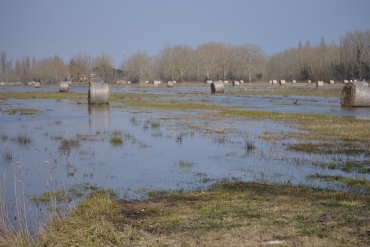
{"points": [[160, 150]]}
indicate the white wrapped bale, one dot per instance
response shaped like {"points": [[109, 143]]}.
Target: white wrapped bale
{"points": [[37, 84], [345, 81], [319, 83], [241, 81], [331, 82], [217, 87], [64, 86], [236, 83], [294, 81], [99, 93], [226, 82], [274, 82], [282, 82], [309, 81], [170, 84], [209, 81]]}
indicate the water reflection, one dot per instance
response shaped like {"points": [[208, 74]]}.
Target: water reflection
{"points": [[99, 117]]}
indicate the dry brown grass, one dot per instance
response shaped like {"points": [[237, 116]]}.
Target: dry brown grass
{"points": [[242, 214]]}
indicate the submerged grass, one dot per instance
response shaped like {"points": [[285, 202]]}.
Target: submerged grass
{"points": [[351, 182], [229, 213], [349, 166], [22, 111], [331, 148], [66, 145]]}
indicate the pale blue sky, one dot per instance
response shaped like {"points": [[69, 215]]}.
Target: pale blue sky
{"points": [[43, 28]]}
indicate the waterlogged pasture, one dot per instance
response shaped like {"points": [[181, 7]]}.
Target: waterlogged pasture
{"points": [[183, 138]]}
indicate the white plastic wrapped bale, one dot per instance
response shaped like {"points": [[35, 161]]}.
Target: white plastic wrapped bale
{"points": [[99, 93], [64, 86], [319, 83], [217, 87]]}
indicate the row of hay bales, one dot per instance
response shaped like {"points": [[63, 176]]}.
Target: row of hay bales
{"points": [[99, 92], [35, 84], [234, 83], [282, 82]]}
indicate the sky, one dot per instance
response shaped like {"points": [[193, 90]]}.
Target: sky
{"points": [[120, 28]]}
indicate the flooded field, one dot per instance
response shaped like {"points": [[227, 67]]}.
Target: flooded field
{"points": [[65, 144]]}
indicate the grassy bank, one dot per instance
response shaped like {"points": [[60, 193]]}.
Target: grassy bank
{"points": [[229, 214]]}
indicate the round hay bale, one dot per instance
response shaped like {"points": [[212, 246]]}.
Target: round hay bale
{"points": [[217, 87], [64, 86], [274, 82], [282, 82], [37, 84], [170, 84], [331, 82], [241, 81], [236, 83], [345, 81], [99, 93], [309, 81], [209, 81], [355, 94], [294, 81], [319, 83]]}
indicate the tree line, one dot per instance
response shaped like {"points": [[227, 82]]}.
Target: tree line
{"points": [[350, 59]]}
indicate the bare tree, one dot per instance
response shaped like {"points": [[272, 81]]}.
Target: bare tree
{"points": [[226, 56], [182, 56], [207, 55], [138, 66], [80, 66], [52, 69], [103, 65], [166, 61], [23, 68], [251, 59]]}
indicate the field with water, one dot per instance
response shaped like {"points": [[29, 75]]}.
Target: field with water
{"points": [[183, 139]]}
